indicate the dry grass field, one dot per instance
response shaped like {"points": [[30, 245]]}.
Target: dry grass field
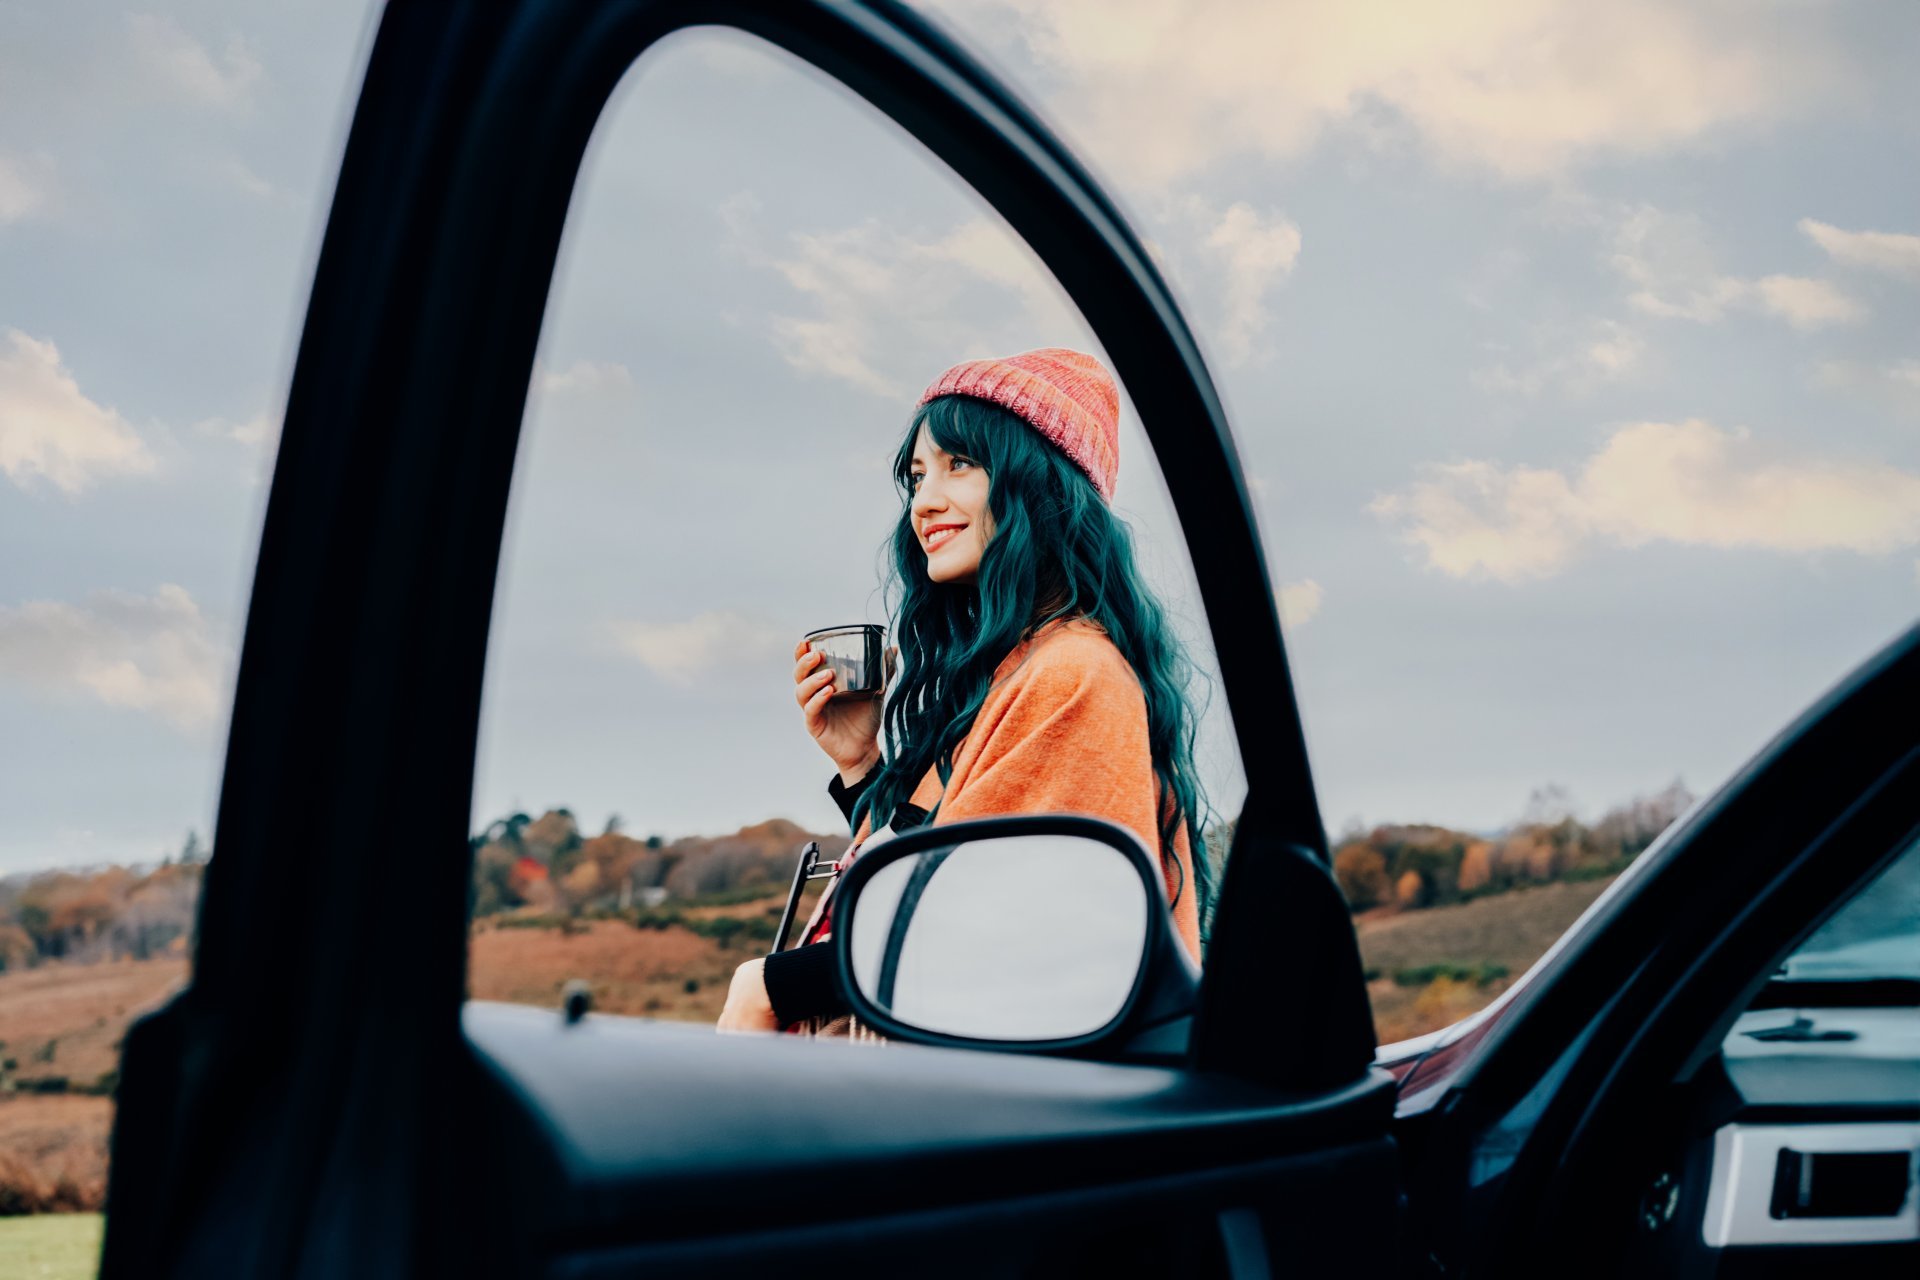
{"points": [[53, 1152], [66, 1021], [666, 973], [1509, 930]]}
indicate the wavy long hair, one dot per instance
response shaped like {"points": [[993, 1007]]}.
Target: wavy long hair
{"points": [[1056, 551]]}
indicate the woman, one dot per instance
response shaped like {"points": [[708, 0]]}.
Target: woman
{"points": [[1039, 674]]}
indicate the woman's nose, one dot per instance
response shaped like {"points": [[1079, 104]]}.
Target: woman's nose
{"points": [[927, 497]]}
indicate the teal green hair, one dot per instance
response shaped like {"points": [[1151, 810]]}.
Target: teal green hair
{"points": [[1057, 551]]}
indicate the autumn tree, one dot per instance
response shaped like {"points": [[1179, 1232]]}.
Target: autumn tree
{"points": [[1361, 872]]}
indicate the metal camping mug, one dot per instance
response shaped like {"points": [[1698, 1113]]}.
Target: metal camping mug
{"points": [[857, 655]]}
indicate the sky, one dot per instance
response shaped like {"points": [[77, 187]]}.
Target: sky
{"points": [[1572, 352]]}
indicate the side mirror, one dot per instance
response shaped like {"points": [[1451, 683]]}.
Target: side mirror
{"points": [[1042, 934]]}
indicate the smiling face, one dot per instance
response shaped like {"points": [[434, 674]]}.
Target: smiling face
{"points": [[949, 510]]}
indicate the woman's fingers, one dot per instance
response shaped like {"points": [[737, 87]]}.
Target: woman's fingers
{"points": [[805, 691], [818, 702], [805, 659]]}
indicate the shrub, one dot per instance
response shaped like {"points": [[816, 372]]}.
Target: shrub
{"points": [[34, 1188], [1478, 975], [1362, 875]]}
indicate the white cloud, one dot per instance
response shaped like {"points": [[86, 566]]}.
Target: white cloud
{"points": [[837, 348], [243, 177], [1670, 264], [48, 428], [1607, 350], [679, 651], [1805, 303], [1257, 253], [588, 377], [1689, 483], [1889, 251], [260, 429], [157, 654], [23, 188], [1525, 88], [1299, 601], [887, 310], [187, 67], [1896, 385], [1667, 260], [1477, 519]]}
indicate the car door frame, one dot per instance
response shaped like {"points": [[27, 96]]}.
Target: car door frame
{"points": [[305, 1070]]}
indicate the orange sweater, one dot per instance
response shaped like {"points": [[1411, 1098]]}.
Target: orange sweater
{"points": [[1064, 730]]}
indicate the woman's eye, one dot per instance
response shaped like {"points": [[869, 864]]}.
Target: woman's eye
{"points": [[959, 464], [913, 480]]}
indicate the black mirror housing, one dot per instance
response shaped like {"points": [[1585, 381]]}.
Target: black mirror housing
{"points": [[1154, 1021]]}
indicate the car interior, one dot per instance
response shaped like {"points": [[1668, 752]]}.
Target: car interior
{"points": [[1790, 1149]]}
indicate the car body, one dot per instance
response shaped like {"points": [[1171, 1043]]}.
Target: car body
{"points": [[309, 1108]]}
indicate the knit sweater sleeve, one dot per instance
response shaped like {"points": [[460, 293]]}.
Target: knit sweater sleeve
{"points": [[1066, 732]]}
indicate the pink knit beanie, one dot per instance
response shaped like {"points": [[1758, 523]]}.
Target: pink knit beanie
{"points": [[1066, 395]]}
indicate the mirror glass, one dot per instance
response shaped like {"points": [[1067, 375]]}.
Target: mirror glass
{"points": [[1022, 938]]}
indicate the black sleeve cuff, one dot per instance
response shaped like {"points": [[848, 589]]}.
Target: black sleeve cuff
{"points": [[846, 797], [800, 984]]}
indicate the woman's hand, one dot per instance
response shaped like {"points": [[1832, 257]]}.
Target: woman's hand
{"points": [[848, 731], [748, 1008]]}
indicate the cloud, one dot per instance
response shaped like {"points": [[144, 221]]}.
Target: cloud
{"points": [[587, 377], [23, 188], [1667, 260], [1477, 519], [1256, 253], [1688, 483], [885, 310], [156, 654], [1524, 88], [1805, 303], [1299, 601], [189, 69], [1896, 385], [1671, 266], [1889, 251], [48, 428], [260, 429], [679, 651], [1606, 351], [241, 175]]}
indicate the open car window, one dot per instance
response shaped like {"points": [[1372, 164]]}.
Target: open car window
{"points": [[758, 277]]}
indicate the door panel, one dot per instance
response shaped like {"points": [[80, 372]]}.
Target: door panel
{"points": [[688, 1142]]}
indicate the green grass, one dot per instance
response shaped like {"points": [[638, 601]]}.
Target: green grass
{"points": [[51, 1246]]}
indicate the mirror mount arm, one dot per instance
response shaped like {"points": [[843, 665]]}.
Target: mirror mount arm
{"points": [[1325, 1038]]}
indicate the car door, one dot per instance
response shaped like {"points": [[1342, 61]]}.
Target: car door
{"points": [[1598, 1100], [316, 1104]]}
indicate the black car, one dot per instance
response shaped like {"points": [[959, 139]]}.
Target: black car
{"points": [[1690, 1083]]}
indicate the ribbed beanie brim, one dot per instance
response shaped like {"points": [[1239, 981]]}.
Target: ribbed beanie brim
{"points": [[1067, 396]]}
